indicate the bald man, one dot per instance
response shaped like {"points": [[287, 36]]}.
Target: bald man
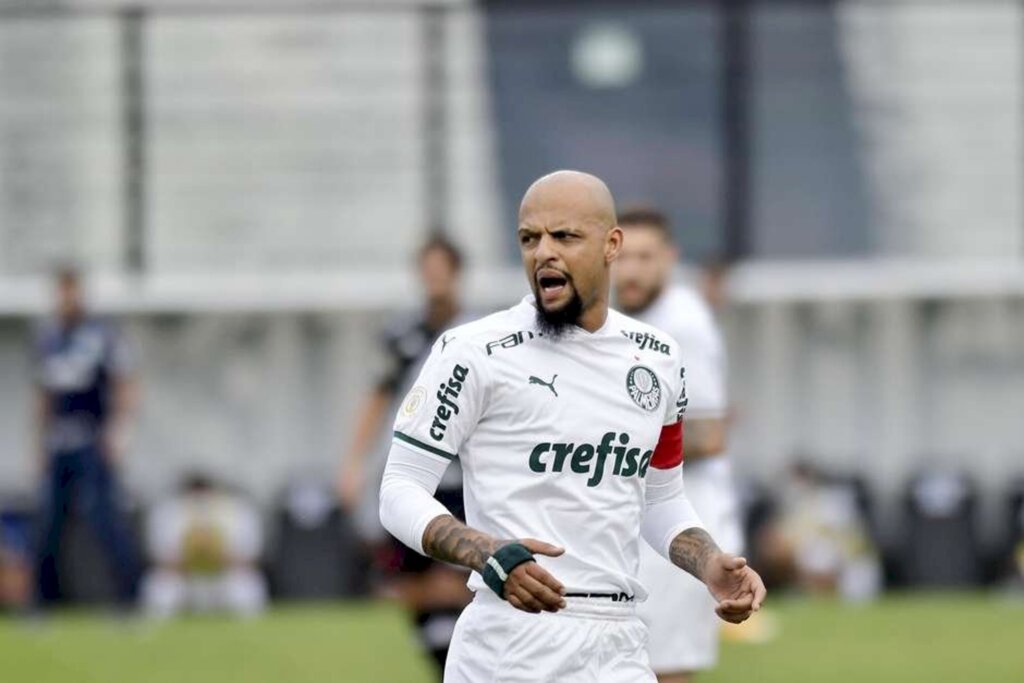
{"points": [[569, 430]]}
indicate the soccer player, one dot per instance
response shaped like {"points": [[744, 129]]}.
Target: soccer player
{"points": [[86, 403], [680, 614], [569, 431], [434, 593]]}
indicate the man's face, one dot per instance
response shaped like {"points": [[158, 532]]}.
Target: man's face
{"points": [[439, 276], [643, 269], [566, 261]]}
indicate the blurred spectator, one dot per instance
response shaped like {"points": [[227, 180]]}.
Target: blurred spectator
{"points": [[433, 592], [85, 407], [15, 562], [821, 539], [204, 544]]}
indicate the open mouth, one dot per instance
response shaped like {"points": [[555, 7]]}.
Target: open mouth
{"points": [[552, 283]]}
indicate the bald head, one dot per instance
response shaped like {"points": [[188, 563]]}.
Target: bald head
{"points": [[568, 237], [583, 197]]}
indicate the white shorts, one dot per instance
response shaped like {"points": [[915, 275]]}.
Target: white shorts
{"points": [[592, 640], [679, 612]]}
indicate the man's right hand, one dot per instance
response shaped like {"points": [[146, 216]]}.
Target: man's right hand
{"points": [[530, 587]]}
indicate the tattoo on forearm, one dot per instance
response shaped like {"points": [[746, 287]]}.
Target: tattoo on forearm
{"points": [[449, 540], [691, 550]]}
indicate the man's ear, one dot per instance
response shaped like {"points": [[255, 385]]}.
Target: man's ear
{"points": [[613, 244]]}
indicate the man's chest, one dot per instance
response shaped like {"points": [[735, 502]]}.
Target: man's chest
{"points": [[569, 397]]}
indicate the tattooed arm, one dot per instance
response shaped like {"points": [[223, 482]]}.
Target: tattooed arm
{"points": [[410, 512], [672, 527], [449, 540], [692, 549], [737, 588]]}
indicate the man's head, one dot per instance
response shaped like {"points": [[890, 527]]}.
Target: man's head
{"points": [[440, 264], [568, 239], [644, 268], [70, 300]]}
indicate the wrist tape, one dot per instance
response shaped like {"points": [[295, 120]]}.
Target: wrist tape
{"points": [[501, 563]]}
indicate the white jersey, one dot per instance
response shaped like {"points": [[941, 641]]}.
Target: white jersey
{"points": [[684, 315], [555, 437]]}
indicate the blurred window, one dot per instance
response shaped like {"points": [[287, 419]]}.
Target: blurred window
{"points": [[632, 97], [60, 143], [284, 141], [807, 184]]}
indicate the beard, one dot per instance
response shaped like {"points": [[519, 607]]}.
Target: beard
{"points": [[643, 303], [554, 324]]}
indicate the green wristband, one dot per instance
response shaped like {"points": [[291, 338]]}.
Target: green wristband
{"points": [[501, 563]]}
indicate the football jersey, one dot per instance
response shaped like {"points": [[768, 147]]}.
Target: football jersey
{"points": [[555, 436], [75, 367], [684, 315]]}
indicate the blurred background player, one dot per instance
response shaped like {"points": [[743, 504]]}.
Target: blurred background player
{"points": [[435, 593], [204, 543], [86, 401], [820, 539], [680, 612]]}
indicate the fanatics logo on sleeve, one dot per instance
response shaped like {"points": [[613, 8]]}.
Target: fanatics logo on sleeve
{"points": [[682, 401], [644, 388]]}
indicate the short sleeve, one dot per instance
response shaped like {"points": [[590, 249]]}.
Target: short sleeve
{"points": [[676, 407], [446, 401]]}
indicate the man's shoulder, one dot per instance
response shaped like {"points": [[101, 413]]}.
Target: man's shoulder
{"points": [[485, 334]]}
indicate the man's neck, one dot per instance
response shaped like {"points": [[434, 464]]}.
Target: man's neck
{"points": [[595, 316]]}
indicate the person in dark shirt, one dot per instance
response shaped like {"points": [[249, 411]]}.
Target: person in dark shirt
{"points": [[434, 593], [85, 402]]}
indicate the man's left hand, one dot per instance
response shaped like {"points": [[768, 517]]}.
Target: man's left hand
{"points": [[738, 589]]}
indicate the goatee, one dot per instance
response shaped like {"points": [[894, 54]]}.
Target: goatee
{"points": [[554, 324]]}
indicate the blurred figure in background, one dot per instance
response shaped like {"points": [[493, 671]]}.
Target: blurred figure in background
{"points": [[205, 543], [86, 403], [820, 538], [435, 593], [680, 612], [15, 561]]}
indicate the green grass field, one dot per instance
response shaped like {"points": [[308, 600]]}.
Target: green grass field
{"points": [[962, 638]]}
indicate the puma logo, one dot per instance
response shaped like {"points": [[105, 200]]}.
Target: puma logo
{"points": [[550, 385]]}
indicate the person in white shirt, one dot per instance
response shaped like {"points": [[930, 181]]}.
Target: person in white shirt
{"points": [[568, 426], [681, 614], [205, 544]]}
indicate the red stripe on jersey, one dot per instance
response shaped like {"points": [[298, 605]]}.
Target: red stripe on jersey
{"points": [[669, 452]]}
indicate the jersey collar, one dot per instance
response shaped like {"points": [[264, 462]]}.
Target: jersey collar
{"points": [[527, 308]]}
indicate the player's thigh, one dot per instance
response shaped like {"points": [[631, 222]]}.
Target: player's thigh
{"points": [[628, 638], [476, 645], [501, 645]]}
